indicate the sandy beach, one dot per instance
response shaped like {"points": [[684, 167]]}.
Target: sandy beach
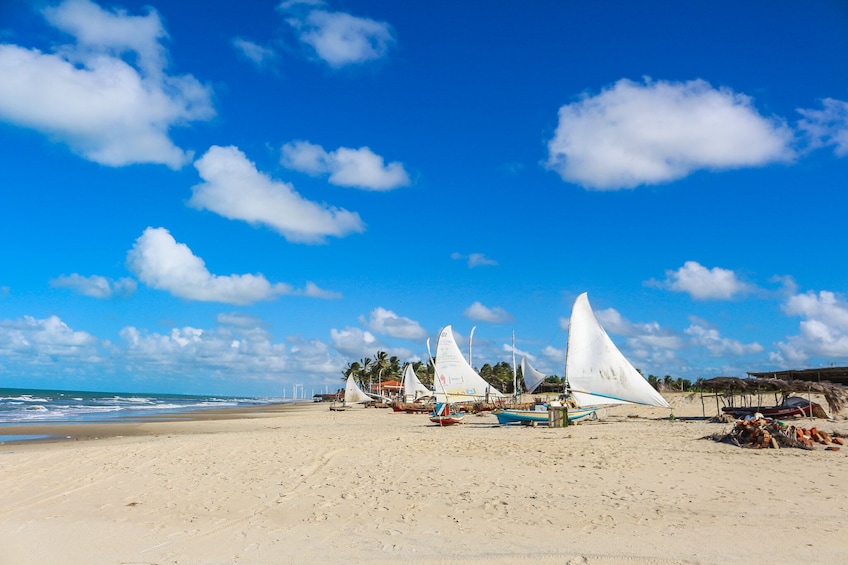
{"points": [[303, 484]]}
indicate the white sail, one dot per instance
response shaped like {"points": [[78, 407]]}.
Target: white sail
{"points": [[597, 372], [412, 386], [354, 394], [532, 377], [457, 380]]}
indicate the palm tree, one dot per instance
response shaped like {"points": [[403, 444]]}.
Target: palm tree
{"points": [[353, 368], [381, 363]]}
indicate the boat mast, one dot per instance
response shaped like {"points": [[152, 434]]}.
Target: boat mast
{"points": [[514, 371], [470, 340]]}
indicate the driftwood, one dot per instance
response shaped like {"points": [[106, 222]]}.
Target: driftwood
{"points": [[764, 433]]}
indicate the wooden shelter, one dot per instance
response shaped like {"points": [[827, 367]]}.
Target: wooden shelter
{"points": [[728, 388], [835, 375]]}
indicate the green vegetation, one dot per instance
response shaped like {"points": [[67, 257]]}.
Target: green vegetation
{"points": [[385, 368]]}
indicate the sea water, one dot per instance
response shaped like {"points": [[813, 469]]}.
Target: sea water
{"points": [[34, 406]]}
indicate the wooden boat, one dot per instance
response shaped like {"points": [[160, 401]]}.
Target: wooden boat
{"points": [[455, 379], [540, 416], [792, 407], [446, 415], [412, 407]]}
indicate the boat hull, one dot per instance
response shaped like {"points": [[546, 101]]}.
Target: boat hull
{"points": [[507, 417], [792, 407], [412, 408], [446, 420]]}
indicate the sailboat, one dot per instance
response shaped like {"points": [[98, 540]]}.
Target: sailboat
{"points": [[413, 391], [539, 413], [413, 388], [532, 377], [597, 372], [352, 395], [446, 414], [456, 377]]}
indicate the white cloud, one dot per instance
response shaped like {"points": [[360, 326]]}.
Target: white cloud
{"points": [[823, 330], [359, 168], [255, 53], [640, 336], [250, 351], [86, 96], [710, 338], [828, 126], [234, 189], [633, 134], [382, 321], [314, 291], [353, 342], [702, 283], [481, 313], [161, 263], [239, 320], [339, 38], [475, 260], [555, 356], [239, 348], [41, 340], [95, 285]]}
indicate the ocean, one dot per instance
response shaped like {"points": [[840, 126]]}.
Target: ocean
{"points": [[34, 406]]}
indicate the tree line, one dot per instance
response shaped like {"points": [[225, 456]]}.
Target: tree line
{"points": [[383, 367]]}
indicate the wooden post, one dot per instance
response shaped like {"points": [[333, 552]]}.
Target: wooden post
{"points": [[558, 416]]}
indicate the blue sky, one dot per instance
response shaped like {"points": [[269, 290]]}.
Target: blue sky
{"points": [[216, 198]]}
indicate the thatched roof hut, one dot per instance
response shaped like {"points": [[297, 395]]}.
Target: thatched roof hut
{"points": [[835, 375], [834, 394]]}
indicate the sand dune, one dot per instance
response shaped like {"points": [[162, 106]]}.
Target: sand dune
{"points": [[307, 485]]}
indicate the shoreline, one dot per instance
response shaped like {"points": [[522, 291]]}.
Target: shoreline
{"points": [[152, 424]]}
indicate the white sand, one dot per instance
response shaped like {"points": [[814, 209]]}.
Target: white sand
{"points": [[314, 486]]}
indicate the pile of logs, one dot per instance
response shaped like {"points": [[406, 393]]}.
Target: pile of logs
{"points": [[764, 433]]}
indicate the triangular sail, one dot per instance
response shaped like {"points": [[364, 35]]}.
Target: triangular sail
{"points": [[597, 372], [456, 378], [532, 377], [354, 394], [412, 386]]}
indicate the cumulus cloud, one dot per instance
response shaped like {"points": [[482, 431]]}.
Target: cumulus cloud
{"points": [[43, 340], [475, 260], [234, 189], [338, 38], [645, 342], [107, 96], [823, 330], [828, 126], [95, 286], [703, 335], [633, 134], [641, 336], [314, 291], [386, 322], [161, 263], [240, 347], [359, 168], [479, 312], [353, 342], [702, 283], [258, 55], [249, 350]]}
